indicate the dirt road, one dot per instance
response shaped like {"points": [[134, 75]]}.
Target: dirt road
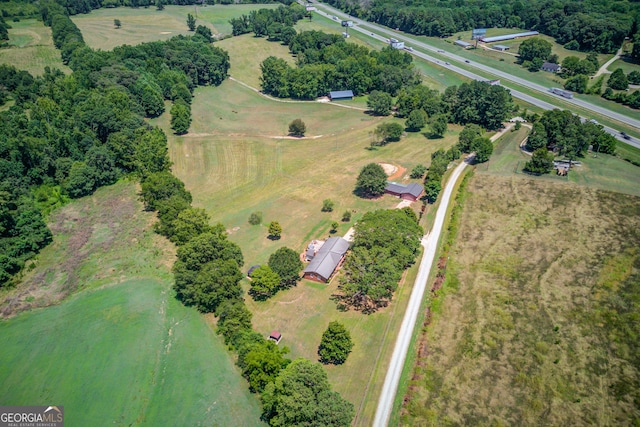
{"points": [[430, 243]]}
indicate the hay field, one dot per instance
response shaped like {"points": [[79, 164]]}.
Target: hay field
{"points": [[121, 349], [237, 160], [148, 24], [31, 48], [537, 325]]}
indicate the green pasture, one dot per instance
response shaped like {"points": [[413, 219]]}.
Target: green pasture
{"points": [[597, 170], [237, 160], [31, 48], [148, 24], [120, 349], [626, 63], [128, 354]]}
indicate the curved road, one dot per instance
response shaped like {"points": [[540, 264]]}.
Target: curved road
{"points": [[375, 31]]}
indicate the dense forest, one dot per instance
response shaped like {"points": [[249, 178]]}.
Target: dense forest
{"points": [[65, 136], [594, 25]]}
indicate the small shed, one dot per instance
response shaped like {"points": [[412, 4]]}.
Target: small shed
{"points": [[338, 95], [463, 44], [275, 336], [551, 67], [501, 47]]}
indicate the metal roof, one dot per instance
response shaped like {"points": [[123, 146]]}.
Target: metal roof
{"points": [[462, 43], [550, 66], [414, 189], [341, 94], [328, 257], [508, 36], [501, 46]]}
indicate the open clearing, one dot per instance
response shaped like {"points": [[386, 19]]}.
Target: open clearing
{"points": [[148, 24], [234, 163], [123, 343], [31, 48], [535, 324], [601, 171]]}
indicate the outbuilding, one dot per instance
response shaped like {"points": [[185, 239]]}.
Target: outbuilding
{"points": [[341, 95], [275, 336], [508, 37], [327, 260], [406, 192], [500, 47], [463, 44], [252, 269]]}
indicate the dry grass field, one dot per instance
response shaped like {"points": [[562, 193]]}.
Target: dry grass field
{"points": [[31, 48], [537, 320], [148, 24], [237, 160]]}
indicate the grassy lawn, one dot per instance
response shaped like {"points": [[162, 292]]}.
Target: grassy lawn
{"points": [[122, 349], [145, 25], [235, 160], [627, 65], [31, 48], [605, 172], [520, 337]]}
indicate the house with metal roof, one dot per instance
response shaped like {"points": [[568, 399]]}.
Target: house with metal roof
{"points": [[500, 47], [327, 260], [340, 95], [407, 192]]}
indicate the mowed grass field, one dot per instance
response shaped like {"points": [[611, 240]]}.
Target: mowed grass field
{"points": [[597, 170], [121, 349], [31, 48], [237, 160], [538, 325], [148, 24]]}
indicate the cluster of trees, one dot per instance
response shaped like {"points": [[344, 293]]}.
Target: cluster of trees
{"points": [[281, 272], [620, 81], [385, 243], [371, 181], [4, 33], [433, 180], [67, 135], [561, 131], [587, 25], [276, 24], [533, 52], [326, 62]]}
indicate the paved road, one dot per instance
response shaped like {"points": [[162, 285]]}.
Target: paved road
{"points": [[430, 243], [382, 33]]}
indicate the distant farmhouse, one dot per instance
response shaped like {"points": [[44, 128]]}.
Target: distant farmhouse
{"points": [[551, 67], [338, 95], [326, 260], [406, 192]]}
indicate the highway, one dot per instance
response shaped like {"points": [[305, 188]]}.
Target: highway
{"points": [[383, 34]]}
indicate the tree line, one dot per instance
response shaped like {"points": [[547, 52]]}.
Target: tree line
{"points": [[589, 25], [66, 136]]}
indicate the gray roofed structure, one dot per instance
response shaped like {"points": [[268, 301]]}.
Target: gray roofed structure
{"points": [[328, 258], [341, 94], [508, 37], [551, 67], [414, 190], [462, 43]]}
